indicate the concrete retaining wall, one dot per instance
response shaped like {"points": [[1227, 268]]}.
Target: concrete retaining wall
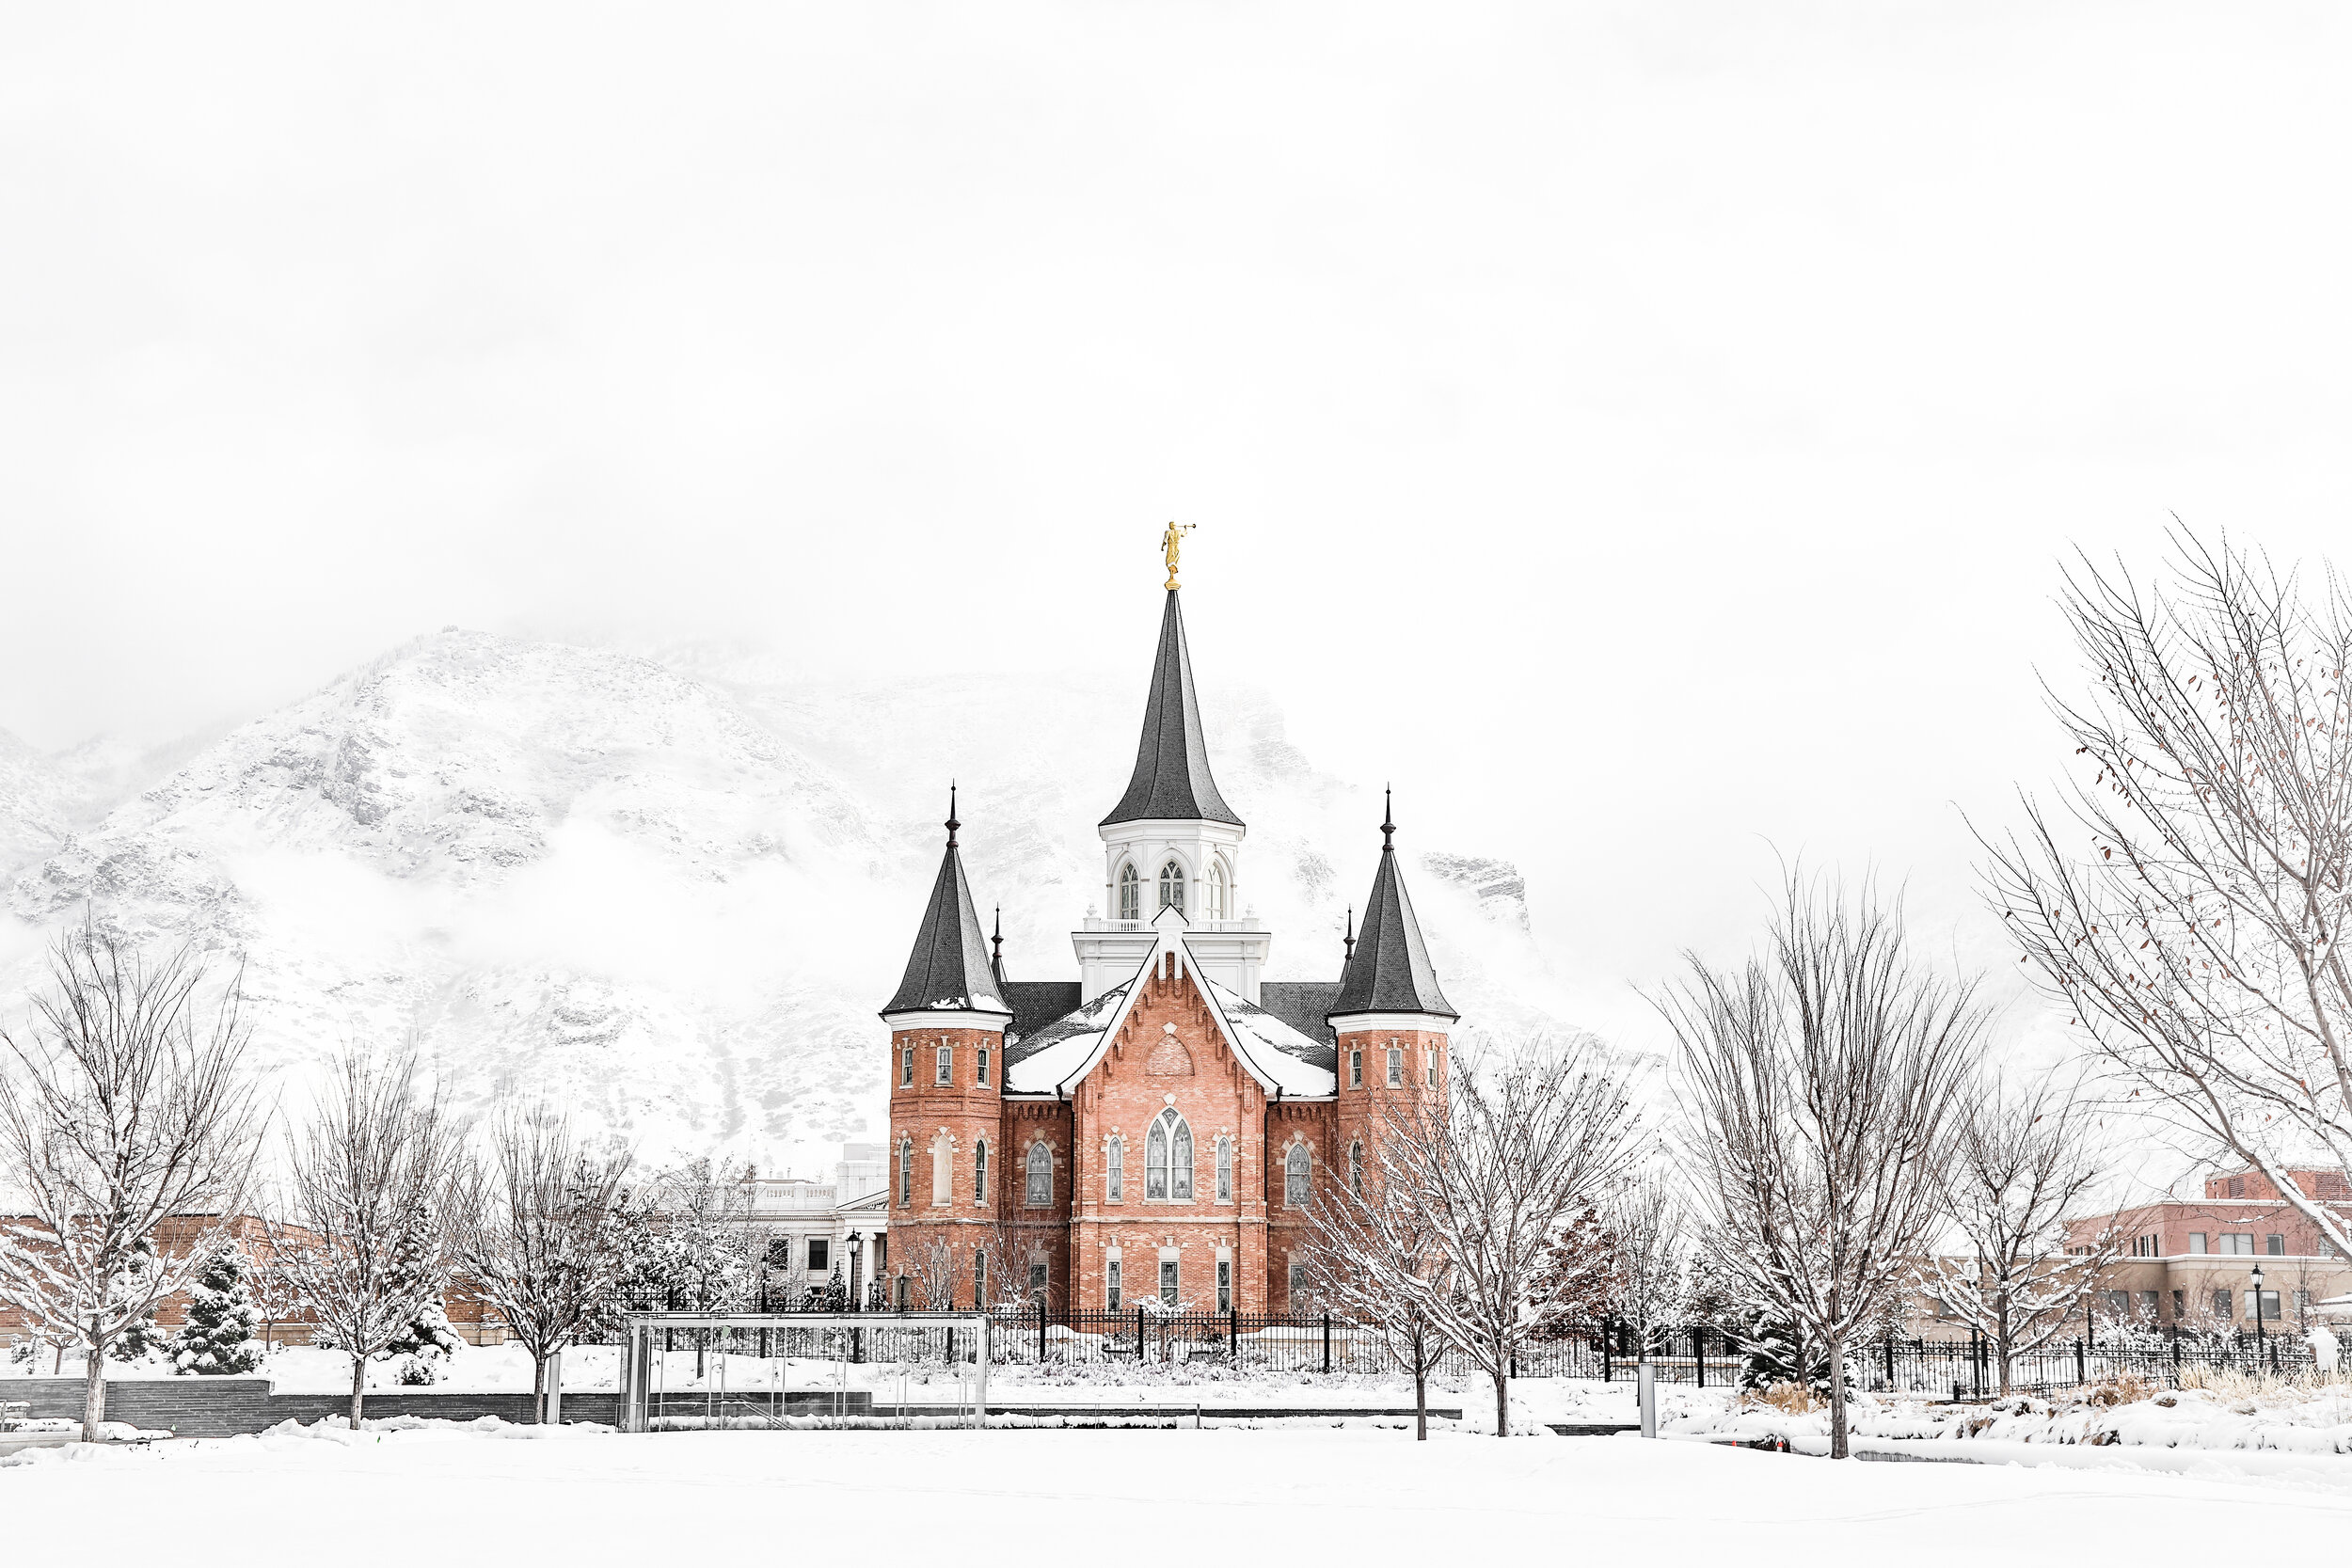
{"points": [[225, 1406]]}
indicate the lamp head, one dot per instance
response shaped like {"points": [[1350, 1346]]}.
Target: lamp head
{"points": [[856, 1242]]}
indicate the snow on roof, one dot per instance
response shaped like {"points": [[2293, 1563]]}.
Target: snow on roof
{"points": [[1279, 1052], [1050, 1054], [1277, 1055]]}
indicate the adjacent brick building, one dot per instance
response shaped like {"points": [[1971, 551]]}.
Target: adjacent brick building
{"points": [[1157, 1126]]}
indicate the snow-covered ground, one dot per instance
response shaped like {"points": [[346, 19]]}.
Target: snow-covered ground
{"points": [[1286, 1495]]}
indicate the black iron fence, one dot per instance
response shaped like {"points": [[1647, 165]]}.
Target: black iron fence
{"points": [[1319, 1344]]}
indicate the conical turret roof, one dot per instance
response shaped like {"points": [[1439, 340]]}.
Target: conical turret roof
{"points": [[949, 970], [1390, 971], [1171, 779]]}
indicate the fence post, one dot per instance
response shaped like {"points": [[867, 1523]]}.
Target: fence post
{"points": [[1698, 1354], [1138, 1334], [1232, 1340], [1608, 1354], [2176, 1352], [1327, 1341], [1890, 1360], [2082, 1368], [1040, 1331]]}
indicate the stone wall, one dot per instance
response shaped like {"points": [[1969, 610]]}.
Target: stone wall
{"points": [[226, 1406]]}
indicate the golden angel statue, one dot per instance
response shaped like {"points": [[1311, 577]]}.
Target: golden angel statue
{"points": [[1169, 542]]}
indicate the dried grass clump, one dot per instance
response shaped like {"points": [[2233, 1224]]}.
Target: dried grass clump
{"points": [[1790, 1399], [2228, 1382], [2128, 1390]]}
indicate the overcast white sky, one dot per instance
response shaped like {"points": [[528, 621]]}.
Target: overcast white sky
{"points": [[1646, 433]]}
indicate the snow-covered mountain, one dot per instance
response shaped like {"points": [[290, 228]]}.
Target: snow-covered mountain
{"points": [[671, 888]]}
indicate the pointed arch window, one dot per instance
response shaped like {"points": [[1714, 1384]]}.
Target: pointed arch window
{"points": [[906, 1173], [1168, 1159], [1040, 1186], [1356, 1169], [1130, 893], [979, 1172], [1114, 1170], [1213, 899], [1225, 1170], [1173, 887], [1295, 1169]]}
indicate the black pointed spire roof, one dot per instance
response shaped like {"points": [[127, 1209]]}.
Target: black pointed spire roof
{"points": [[1390, 970], [996, 951], [1171, 777], [949, 969]]}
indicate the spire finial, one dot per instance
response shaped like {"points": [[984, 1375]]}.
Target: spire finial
{"points": [[1350, 938], [997, 940], [952, 823], [1387, 820], [1170, 541]]}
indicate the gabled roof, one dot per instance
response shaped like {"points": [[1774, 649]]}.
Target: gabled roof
{"points": [[1171, 779], [1390, 971], [1305, 1005], [948, 971], [1282, 1059], [1036, 1003]]}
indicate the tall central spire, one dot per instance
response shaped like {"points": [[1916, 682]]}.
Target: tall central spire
{"points": [[1171, 779]]}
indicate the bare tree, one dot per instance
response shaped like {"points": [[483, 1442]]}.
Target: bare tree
{"points": [[2188, 902], [1529, 1136], [552, 1238], [1370, 1257], [936, 1267], [121, 1107], [1818, 1087], [2024, 1157], [380, 1188], [1653, 1282]]}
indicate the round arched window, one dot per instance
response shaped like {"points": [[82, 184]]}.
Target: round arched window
{"points": [[1130, 893], [1213, 899], [1173, 887]]}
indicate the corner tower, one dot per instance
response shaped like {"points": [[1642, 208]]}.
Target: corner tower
{"points": [[1391, 1020], [1172, 840], [947, 1023]]}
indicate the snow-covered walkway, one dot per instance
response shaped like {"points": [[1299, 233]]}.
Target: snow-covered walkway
{"points": [[1280, 1494]]}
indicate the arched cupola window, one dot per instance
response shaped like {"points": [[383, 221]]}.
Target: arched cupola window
{"points": [[1173, 887], [1130, 893], [1213, 899], [1168, 1159]]}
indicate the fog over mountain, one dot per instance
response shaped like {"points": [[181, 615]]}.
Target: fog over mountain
{"points": [[671, 885]]}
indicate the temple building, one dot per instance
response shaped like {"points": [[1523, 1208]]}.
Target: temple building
{"points": [[1158, 1125]]}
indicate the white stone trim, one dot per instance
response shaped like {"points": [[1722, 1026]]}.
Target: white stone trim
{"points": [[1355, 1024]]}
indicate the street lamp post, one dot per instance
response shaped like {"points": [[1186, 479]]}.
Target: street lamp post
{"points": [[857, 1294], [2259, 1336]]}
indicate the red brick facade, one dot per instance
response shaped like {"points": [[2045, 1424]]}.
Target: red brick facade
{"points": [[1231, 1240]]}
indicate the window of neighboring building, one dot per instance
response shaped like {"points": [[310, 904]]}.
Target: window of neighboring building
{"points": [[2117, 1303], [1110, 1284], [1114, 1170], [979, 1171], [2222, 1308], [1168, 1282], [1130, 893], [1225, 1170], [979, 1068], [2302, 1305], [2331, 1184], [906, 1172], [2275, 1246], [2237, 1186], [946, 1069], [2197, 1241], [2179, 1305], [2242, 1246], [2146, 1303], [906, 1067], [1355, 1069], [1396, 1067], [2265, 1303], [820, 1255], [1225, 1284], [1173, 887], [1295, 1166], [1041, 1188]]}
